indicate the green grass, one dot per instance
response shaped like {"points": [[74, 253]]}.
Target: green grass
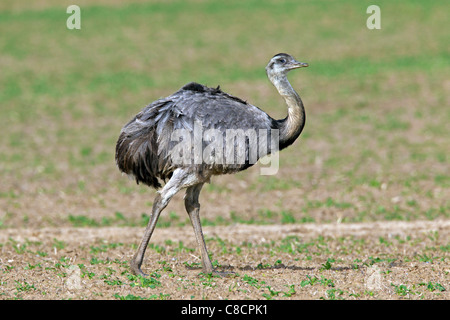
{"points": [[375, 99]]}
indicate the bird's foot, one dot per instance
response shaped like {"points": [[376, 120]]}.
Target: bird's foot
{"points": [[139, 273], [135, 269]]}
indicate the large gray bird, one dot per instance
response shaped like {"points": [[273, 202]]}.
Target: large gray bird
{"points": [[160, 143]]}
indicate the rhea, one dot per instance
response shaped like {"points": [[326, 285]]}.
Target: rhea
{"points": [[145, 146]]}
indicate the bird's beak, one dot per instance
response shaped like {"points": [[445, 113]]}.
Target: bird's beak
{"points": [[296, 64]]}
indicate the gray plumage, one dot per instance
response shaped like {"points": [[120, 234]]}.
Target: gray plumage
{"points": [[144, 144], [144, 147]]}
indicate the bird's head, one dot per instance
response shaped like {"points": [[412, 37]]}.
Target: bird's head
{"points": [[281, 64]]}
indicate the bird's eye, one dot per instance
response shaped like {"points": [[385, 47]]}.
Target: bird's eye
{"points": [[282, 60]]}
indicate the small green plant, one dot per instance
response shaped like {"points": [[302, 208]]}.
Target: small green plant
{"points": [[433, 286], [18, 248], [309, 281], [145, 282], [402, 290], [313, 280], [384, 241], [425, 258], [31, 267], [41, 253], [58, 244], [24, 286], [263, 266], [287, 217], [327, 265], [290, 292], [272, 293], [253, 281], [333, 294], [82, 221], [115, 282], [326, 282], [208, 279]]}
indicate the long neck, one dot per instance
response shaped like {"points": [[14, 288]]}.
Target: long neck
{"points": [[291, 126]]}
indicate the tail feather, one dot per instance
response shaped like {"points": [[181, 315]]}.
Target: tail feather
{"points": [[137, 157]]}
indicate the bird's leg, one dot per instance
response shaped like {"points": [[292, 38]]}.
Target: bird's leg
{"points": [[136, 262], [175, 184], [193, 209]]}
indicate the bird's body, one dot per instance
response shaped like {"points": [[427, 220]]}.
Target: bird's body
{"points": [[201, 120], [145, 144]]}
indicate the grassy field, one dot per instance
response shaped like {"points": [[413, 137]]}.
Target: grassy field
{"points": [[374, 150]]}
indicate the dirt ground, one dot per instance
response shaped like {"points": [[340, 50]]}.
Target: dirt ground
{"points": [[380, 260]]}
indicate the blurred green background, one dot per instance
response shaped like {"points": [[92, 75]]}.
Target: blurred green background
{"points": [[375, 145]]}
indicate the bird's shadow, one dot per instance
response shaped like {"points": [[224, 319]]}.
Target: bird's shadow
{"points": [[252, 268]]}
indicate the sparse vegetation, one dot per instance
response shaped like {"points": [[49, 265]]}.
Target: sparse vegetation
{"points": [[313, 266]]}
